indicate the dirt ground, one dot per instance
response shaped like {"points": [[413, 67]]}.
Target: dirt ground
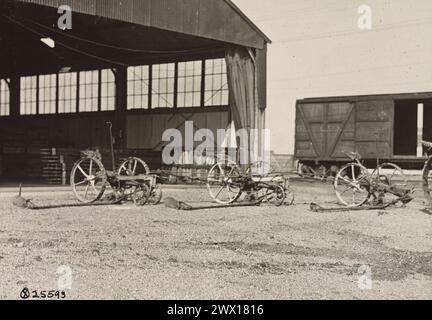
{"points": [[124, 252]]}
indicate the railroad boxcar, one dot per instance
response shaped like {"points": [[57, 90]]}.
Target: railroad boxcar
{"points": [[389, 127]]}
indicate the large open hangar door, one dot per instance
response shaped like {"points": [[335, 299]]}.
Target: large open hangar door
{"points": [[143, 65]]}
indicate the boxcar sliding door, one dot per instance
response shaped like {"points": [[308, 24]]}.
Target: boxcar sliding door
{"points": [[325, 130]]}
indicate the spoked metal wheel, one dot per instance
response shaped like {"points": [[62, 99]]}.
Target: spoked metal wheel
{"points": [[88, 180], [392, 175], [221, 183], [351, 185], [133, 167], [275, 195], [278, 191], [141, 195]]}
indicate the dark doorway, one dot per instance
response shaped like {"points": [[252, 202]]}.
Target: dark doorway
{"points": [[427, 123], [405, 128]]}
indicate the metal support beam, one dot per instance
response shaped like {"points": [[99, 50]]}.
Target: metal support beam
{"points": [[14, 101], [121, 107]]}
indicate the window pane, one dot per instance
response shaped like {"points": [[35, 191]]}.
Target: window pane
{"points": [[216, 84], [189, 84], [67, 92], [28, 95], [108, 90], [163, 85], [47, 94], [88, 91], [138, 87]]}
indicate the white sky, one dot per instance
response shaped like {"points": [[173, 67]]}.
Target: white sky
{"points": [[318, 50]]}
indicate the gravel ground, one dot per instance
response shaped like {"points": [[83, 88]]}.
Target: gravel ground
{"points": [[124, 252]]}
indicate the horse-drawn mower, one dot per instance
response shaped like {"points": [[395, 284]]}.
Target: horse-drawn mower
{"points": [[132, 181]]}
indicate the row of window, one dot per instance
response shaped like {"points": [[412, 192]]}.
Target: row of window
{"points": [[183, 84], [191, 76], [39, 93]]}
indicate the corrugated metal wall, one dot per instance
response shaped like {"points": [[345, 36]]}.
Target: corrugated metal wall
{"points": [[212, 19]]}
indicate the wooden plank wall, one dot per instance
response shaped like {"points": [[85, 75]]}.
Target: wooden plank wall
{"points": [[374, 128]]}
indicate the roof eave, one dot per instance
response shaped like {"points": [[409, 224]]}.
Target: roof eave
{"points": [[249, 21]]}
